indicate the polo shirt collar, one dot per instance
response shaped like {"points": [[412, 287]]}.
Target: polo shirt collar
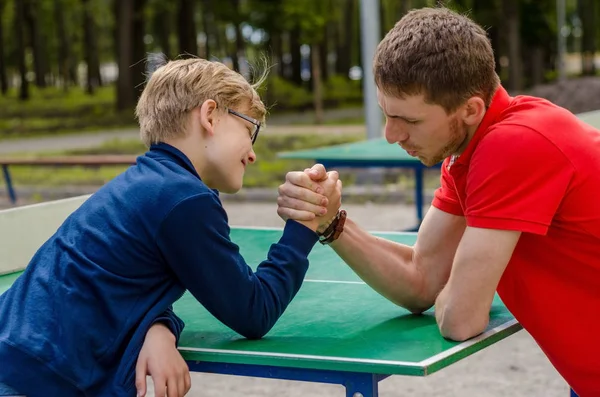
{"points": [[500, 102]]}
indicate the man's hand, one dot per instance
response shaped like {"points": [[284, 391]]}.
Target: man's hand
{"points": [[160, 359], [311, 197]]}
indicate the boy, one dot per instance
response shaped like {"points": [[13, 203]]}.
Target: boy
{"points": [[74, 322]]}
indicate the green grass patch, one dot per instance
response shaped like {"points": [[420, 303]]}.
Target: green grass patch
{"points": [[52, 111], [268, 171]]}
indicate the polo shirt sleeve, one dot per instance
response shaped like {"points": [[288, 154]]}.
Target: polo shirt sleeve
{"points": [[445, 197], [516, 181], [194, 240]]}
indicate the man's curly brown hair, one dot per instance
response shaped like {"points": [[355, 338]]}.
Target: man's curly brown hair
{"points": [[438, 53]]}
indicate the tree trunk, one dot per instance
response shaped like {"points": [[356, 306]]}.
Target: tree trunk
{"points": [[588, 15], [39, 63], [20, 35], [296, 56], [89, 50], [277, 44], [238, 47], [317, 83], [162, 24], [346, 43], [511, 15], [324, 55], [186, 28], [3, 77], [124, 20], [138, 68], [63, 44], [206, 26], [405, 6], [537, 65]]}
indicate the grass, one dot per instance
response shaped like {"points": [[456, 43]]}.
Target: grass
{"points": [[268, 171], [52, 111]]}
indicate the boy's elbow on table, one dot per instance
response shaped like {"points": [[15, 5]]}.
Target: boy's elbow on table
{"points": [[252, 329]]}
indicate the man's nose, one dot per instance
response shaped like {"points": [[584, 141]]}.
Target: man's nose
{"points": [[395, 133]]}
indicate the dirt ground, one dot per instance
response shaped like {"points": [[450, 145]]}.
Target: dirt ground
{"points": [[514, 367]]}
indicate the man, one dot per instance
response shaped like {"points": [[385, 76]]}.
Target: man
{"points": [[517, 211]]}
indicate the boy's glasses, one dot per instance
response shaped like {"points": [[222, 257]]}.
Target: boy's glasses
{"points": [[250, 120]]}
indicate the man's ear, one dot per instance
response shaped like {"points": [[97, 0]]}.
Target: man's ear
{"points": [[473, 111], [208, 116]]}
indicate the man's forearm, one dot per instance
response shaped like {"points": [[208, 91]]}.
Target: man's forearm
{"points": [[386, 266]]}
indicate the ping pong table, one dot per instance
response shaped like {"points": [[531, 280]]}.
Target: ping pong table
{"points": [[337, 330], [372, 153]]}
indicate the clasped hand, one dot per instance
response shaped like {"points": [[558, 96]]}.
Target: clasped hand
{"points": [[311, 197]]}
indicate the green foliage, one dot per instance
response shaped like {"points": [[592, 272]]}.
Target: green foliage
{"points": [[310, 15], [53, 111], [282, 95], [339, 90]]}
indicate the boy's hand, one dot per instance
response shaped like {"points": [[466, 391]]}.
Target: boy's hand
{"points": [[160, 359], [301, 197], [312, 197]]}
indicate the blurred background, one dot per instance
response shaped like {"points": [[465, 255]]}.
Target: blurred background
{"points": [[71, 72]]}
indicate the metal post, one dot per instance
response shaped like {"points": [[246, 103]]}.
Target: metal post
{"points": [[369, 32], [562, 39], [362, 385], [419, 194], [9, 187]]}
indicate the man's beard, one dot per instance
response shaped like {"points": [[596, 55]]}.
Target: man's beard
{"points": [[458, 134]]}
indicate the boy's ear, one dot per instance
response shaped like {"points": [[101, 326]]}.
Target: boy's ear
{"points": [[208, 115]]}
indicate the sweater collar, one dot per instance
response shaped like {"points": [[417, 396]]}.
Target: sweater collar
{"points": [[174, 154]]}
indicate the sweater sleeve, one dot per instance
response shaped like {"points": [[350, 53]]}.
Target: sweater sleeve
{"points": [[174, 323], [194, 239]]}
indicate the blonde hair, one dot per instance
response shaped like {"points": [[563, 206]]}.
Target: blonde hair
{"points": [[182, 85], [438, 53]]}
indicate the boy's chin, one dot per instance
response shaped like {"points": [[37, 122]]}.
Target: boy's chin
{"points": [[230, 189]]}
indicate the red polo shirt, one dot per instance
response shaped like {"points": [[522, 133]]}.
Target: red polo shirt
{"points": [[534, 167]]}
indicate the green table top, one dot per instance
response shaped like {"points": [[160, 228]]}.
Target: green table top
{"points": [[336, 322]]}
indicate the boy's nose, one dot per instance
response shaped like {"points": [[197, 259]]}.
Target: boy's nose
{"points": [[251, 157]]}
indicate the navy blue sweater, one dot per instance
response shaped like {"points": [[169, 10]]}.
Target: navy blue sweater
{"points": [[74, 322]]}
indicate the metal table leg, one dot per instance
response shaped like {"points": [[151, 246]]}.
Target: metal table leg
{"points": [[9, 186]]}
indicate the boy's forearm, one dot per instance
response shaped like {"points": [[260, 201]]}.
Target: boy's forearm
{"points": [[386, 266]]}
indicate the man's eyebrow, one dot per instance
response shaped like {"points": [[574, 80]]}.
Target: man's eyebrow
{"points": [[395, 116]]}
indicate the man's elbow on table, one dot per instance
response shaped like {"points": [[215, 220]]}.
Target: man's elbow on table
{"points": [[461, 328]]}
